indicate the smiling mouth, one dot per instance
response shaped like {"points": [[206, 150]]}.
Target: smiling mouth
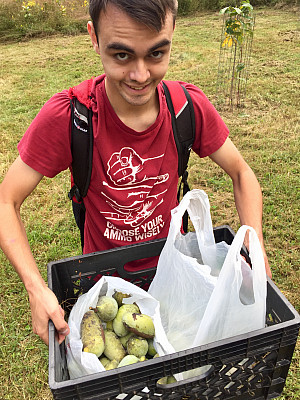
{"points": [[138, 88]]}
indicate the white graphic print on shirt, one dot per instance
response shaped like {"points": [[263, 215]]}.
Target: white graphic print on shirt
{"points": [[134, 194]]}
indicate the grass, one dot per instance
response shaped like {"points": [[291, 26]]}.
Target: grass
{"points": [[266, 131], [24, 19]]}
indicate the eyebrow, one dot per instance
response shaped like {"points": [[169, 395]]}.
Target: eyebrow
{"points": [[123, 47]]}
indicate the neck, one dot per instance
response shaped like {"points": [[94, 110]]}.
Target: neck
{"points": [[140, 118], [136, 117]]}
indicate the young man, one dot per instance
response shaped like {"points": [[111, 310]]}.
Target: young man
{"points": [[134, 178]]}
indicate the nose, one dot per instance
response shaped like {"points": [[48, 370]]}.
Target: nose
{"points": [[140, 72]]}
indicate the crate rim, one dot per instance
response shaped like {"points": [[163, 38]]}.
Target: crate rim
{"points": [[99, 253], [120, 248]]}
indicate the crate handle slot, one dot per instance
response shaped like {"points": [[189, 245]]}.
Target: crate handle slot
{"points": [[200, 377]]}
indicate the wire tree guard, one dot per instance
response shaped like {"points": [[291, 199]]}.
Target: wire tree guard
{"points": [[235, 52]]}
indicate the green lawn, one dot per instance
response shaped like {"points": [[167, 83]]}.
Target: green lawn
{"points": [[266, 131]]}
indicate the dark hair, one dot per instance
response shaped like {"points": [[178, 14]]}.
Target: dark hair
{"points": [[152, 13]]}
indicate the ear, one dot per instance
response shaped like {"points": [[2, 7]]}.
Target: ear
{"points": [[93, 36]]}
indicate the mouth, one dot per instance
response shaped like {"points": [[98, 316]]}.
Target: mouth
{"points": [[139, 88]]}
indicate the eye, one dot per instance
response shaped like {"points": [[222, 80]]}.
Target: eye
{"points": [[122, 56], [157, 54]]}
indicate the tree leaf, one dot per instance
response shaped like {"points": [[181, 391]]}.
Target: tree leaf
{"points": [[223, 11], [240, 67], [225, 41], [247, 5]]}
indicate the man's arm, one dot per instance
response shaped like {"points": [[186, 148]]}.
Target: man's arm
{"points": [[18, 183], [247, 191]]}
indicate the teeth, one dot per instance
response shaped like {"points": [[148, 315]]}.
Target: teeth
{"points": [[136, 88]]}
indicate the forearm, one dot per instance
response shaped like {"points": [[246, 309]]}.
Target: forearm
{"points": [[247, 191], [14, 243], [18, 183], [248, 200], [43, 302], [249, 205]]}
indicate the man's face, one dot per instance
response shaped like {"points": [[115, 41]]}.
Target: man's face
{"points": [[135, 58]]}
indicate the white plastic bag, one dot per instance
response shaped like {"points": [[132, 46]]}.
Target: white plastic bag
{"points": [[81, 363], [187, 271], [238, 302], [198, 303]]}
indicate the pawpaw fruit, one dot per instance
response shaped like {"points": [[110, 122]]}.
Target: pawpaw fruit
{"points": [[92, 334]]}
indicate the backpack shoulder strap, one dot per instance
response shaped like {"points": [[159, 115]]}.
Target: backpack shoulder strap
{"points": [[182, 113], [81, 139], [183, 121]]}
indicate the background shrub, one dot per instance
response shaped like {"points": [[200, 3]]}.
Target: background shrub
{"points": [[21, 19], [189, 6]]}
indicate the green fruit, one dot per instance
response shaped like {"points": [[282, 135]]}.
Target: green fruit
{"points": [[125, 339], [127, 360], [151, 348], [106, 308], [109, 326], [113, 347], [119, 296], [163, 381], [104, 361], [137, 346], [166, 380], [92, 334], [171, 379], [118, 326], [140, 324], [112, 365]]}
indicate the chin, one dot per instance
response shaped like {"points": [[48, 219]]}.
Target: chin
{"points": [[137, 100]]}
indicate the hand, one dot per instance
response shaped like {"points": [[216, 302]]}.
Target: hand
{"points": [[267, 265], [44, 306]]}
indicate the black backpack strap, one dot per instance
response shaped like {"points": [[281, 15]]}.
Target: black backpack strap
{"points": [[81, 148], [79, 215], [183, 125], [82, 159]]}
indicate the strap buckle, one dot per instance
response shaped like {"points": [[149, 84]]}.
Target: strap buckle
{"points": [[75, 192]]}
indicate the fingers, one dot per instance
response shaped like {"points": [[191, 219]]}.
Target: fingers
{"points": [[44, 307], [268, 269], [61, 337], [267, 266], [60, 324]]}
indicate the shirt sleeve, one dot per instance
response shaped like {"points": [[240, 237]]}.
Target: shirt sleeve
{"points": [[46, 145], [211, 130]]}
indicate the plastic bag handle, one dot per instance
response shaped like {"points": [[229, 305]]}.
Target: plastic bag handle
{"points": [[255, 255], [196, 203]]}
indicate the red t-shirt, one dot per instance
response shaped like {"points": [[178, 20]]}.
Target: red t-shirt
{"points": [[134, 177]]}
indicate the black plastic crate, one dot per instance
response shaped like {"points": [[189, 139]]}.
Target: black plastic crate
{"points": [[248, 366]]}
